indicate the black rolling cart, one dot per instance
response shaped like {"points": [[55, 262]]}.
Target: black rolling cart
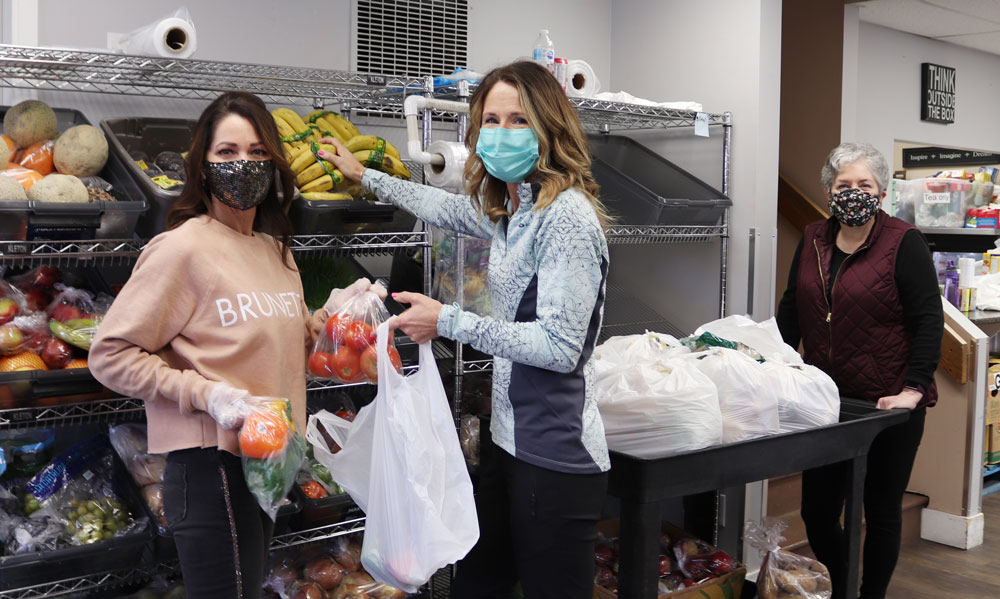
{"points": [[641, 483]]}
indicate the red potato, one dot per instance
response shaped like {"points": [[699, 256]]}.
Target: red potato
{"points": [[326, 572]]}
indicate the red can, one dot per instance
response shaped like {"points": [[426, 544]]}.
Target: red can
{"points": [[562, 72]]}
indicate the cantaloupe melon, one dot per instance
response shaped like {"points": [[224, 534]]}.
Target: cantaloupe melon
{"points": [[80, 151], [5, 155], [29, 122], [59, 188], [10, 189]]}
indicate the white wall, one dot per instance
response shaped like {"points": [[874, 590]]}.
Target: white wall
{"points": [[726, 55], [887, 100]]}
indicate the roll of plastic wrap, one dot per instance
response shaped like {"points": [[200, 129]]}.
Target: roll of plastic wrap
{"points": [[449, 176], [171, 37], [581, 80]]}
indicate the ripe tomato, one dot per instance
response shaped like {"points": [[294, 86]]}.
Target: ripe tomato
{"points": [[264, 433], [345, 364], [313, 490], [369, 362], [345, 414], [319, 364], [359, 335], [335, 327]]}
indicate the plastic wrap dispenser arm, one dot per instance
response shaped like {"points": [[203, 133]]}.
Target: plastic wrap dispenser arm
{"points": [[412, 107]]}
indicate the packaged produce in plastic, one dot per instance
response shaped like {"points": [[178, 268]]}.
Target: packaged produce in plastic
{"points": [[26, 451], [129, 441], [468, 436], [474, 263], [748, 403], [652, 403], [272, 453], [345, 351], [783, 574], [807, 396], [37, 285], [75, 314], [78, 490], [38, 157]]}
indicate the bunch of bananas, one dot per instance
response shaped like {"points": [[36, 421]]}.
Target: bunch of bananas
{"points": [[318, 179]]}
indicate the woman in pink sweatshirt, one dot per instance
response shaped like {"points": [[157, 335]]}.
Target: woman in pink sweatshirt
{"points": [[211, 318]]}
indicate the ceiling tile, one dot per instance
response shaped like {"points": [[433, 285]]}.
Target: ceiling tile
{"points": [[981, 9], [987, 42], [922, 18]]}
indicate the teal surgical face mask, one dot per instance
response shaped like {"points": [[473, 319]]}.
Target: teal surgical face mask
{"points": [[508, 154]]}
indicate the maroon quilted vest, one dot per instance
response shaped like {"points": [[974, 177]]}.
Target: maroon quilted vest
{"points": [[858, 338]]}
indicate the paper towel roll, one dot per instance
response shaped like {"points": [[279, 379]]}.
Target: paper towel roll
{"points": [[172, 37], [450, 175], [581, 80]]}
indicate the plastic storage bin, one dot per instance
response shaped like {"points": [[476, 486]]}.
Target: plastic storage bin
{"points": [[939, 203], [27, 220], [326, 217], [640, 187], [332, 509], [113, 554], [149, 136]]}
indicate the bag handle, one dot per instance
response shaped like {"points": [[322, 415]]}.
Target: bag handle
{"points": [[386, 373], [334, 426]]}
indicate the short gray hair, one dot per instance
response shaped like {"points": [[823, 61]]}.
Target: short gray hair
{"points": [[849, 152]]}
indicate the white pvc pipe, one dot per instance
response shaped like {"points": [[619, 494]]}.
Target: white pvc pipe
{"points": [[412, 107]]}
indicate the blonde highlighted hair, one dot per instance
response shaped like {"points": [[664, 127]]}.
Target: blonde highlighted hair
{"points": [[563, 152]]}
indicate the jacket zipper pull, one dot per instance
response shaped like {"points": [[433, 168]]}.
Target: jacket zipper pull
{"points": [[828, 314]]}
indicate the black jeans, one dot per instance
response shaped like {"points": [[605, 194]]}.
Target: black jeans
{"points": [[536, 526], [221, 533], [890, 461]]}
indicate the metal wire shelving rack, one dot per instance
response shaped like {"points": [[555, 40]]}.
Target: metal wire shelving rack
{"points": [[52, 69]]}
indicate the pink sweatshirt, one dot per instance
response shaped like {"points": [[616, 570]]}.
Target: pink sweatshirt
{"points": [[205, 303]]}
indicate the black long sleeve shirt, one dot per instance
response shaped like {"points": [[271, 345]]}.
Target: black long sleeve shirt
{"points": [[919, 293]]}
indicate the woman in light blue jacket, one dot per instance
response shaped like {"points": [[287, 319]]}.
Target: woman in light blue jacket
{"points": [[533, 196]]}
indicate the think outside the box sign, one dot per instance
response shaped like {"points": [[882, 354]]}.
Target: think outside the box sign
{"points": [[937, 89]]}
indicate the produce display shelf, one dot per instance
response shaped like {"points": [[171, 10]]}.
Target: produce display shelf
{"points": [[474, 366], [645, 234], [626, 315], [320, 533], [93, 582], [118, 410], [329, 385], [112, 251], [105, 72], [607, 116], [956, 231]]}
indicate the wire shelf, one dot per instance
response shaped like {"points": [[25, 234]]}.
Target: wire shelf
{"points": [[321, 533], [100, 72], [626, 315], [605, 116], [101, 580], [74, 413], [473, 366], [643, 234]]}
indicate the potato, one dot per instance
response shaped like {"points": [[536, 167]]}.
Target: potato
{"points": [[308, 590], [59, 188]]}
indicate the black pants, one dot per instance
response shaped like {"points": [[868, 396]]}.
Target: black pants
{"points": [[536, 526], [890, 462], [221, 533]]}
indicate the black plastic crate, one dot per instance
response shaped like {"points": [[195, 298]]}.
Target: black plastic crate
{"points": [[58, 564], [29, 220], [332, 217], [640, 187], [332, 509], [149, 136]]}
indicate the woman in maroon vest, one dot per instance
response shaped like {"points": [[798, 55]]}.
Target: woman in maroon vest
{"points": [[863, 299]]}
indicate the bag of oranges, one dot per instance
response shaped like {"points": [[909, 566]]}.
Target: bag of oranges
{"points": [[272, 453], [345, 350]]}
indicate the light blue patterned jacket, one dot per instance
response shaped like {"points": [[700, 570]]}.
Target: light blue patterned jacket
{"points": [[547, 274]]}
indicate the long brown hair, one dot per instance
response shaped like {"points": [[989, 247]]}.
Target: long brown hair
{"points": [[563, 152], [272, 214]]}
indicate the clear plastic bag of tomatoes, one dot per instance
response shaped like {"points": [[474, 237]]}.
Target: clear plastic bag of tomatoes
{"points": [[345, 349], [272, 451]]}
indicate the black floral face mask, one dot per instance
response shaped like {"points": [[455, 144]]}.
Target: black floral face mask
{"points": [[854, 207], [240, 184]]}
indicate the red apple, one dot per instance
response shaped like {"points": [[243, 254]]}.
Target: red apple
{"points": [[665, 565], [34, 298], [11, 339], [8, 310], [65, 312], [46, 276], [56, 353], [720, 563], [603, 555]]}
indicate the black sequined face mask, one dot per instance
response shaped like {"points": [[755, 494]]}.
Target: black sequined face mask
{"points": [[240, 184]]}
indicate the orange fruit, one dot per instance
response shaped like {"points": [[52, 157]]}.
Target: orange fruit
{"points": [[25, 176], [10, 144], [38, 157], [264, 434], [76, 363], [25, 360]]}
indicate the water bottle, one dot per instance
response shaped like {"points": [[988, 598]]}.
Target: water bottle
{"points": [[544, 52]]}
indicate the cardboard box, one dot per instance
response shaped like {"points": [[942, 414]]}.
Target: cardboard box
{"points": [[993, 392], [994, 444], [727, 586]]}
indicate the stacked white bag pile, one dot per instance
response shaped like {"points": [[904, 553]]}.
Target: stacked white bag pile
{"points": [[659, 396]]}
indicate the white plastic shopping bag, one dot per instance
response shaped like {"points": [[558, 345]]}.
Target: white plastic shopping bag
{"points": [[807, 396], [761, 336], [402, 464], [748, 403]]}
